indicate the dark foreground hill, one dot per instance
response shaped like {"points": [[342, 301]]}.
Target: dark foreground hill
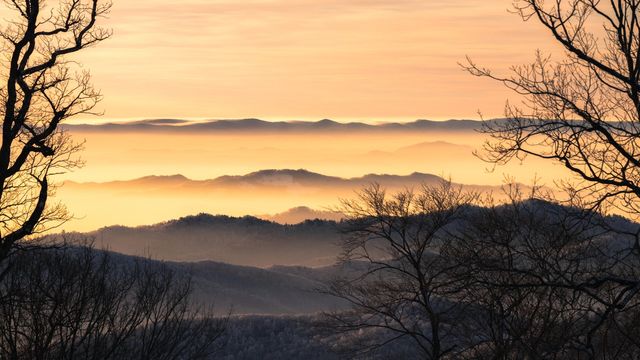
{"points": [[242, 241], [250, 290], [248, 240]]}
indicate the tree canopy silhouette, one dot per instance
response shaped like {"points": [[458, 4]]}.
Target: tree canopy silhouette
{"points": [[582, 110], [448, 279], [41, 87], [78, 302]]}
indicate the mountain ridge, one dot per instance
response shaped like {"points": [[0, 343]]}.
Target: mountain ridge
{"points": [[269, 193], [248, 289], [254, 124], [245, 241], [255, 242], [302, 176]]}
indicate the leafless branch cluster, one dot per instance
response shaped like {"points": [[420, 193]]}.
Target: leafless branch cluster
{"points": [[548, 282], [404, 287], [41, 88], [528, 279], [77, 302], [584, 109]]}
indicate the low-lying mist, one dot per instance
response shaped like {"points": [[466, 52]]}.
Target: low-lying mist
{"points": [[98, 195]]}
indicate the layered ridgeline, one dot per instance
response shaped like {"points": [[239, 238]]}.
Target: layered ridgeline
{"points": [[276, 307], [237, 240], [246, 241], [267, 179], [258, 266], [253, 125], [272, 291], [220, 166], [153, 199], [298, 236]]}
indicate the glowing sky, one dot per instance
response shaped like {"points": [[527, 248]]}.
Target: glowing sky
{"points": [[307, 59]]}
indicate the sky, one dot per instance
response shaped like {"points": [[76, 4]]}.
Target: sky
{"points": [[365, 60], [346, 60]]}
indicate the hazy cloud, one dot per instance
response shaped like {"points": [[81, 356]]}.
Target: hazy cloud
{"points": [[306, 58]]}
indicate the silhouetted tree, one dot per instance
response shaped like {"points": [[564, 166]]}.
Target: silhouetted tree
{"points": [[408, 290], [521, 279], [548, 282], [582, 111], [77, 302], [41, 88]]}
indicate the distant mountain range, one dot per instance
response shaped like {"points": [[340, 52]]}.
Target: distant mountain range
{"points": [[247, 240], [307, 178], [270, 178], [453, 152], [177, 125], [237, 240], [299, 214], [152, 199]]}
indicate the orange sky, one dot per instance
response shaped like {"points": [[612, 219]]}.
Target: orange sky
{"points": [[307, 59]]}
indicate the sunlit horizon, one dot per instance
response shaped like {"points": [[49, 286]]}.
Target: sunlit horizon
{"points": [[101, 120], [357, 61]]}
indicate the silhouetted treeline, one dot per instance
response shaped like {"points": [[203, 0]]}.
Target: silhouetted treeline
{"points": [[523, 280], [77, 302]]}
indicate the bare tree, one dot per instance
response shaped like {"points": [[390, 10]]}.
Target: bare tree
{"points": [[41, 88], [77, 302], [549, 282], [583, 110], [522, 279], [407, 291]]}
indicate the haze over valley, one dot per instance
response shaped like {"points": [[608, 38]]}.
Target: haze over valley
{"points": [[164, 169]]}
